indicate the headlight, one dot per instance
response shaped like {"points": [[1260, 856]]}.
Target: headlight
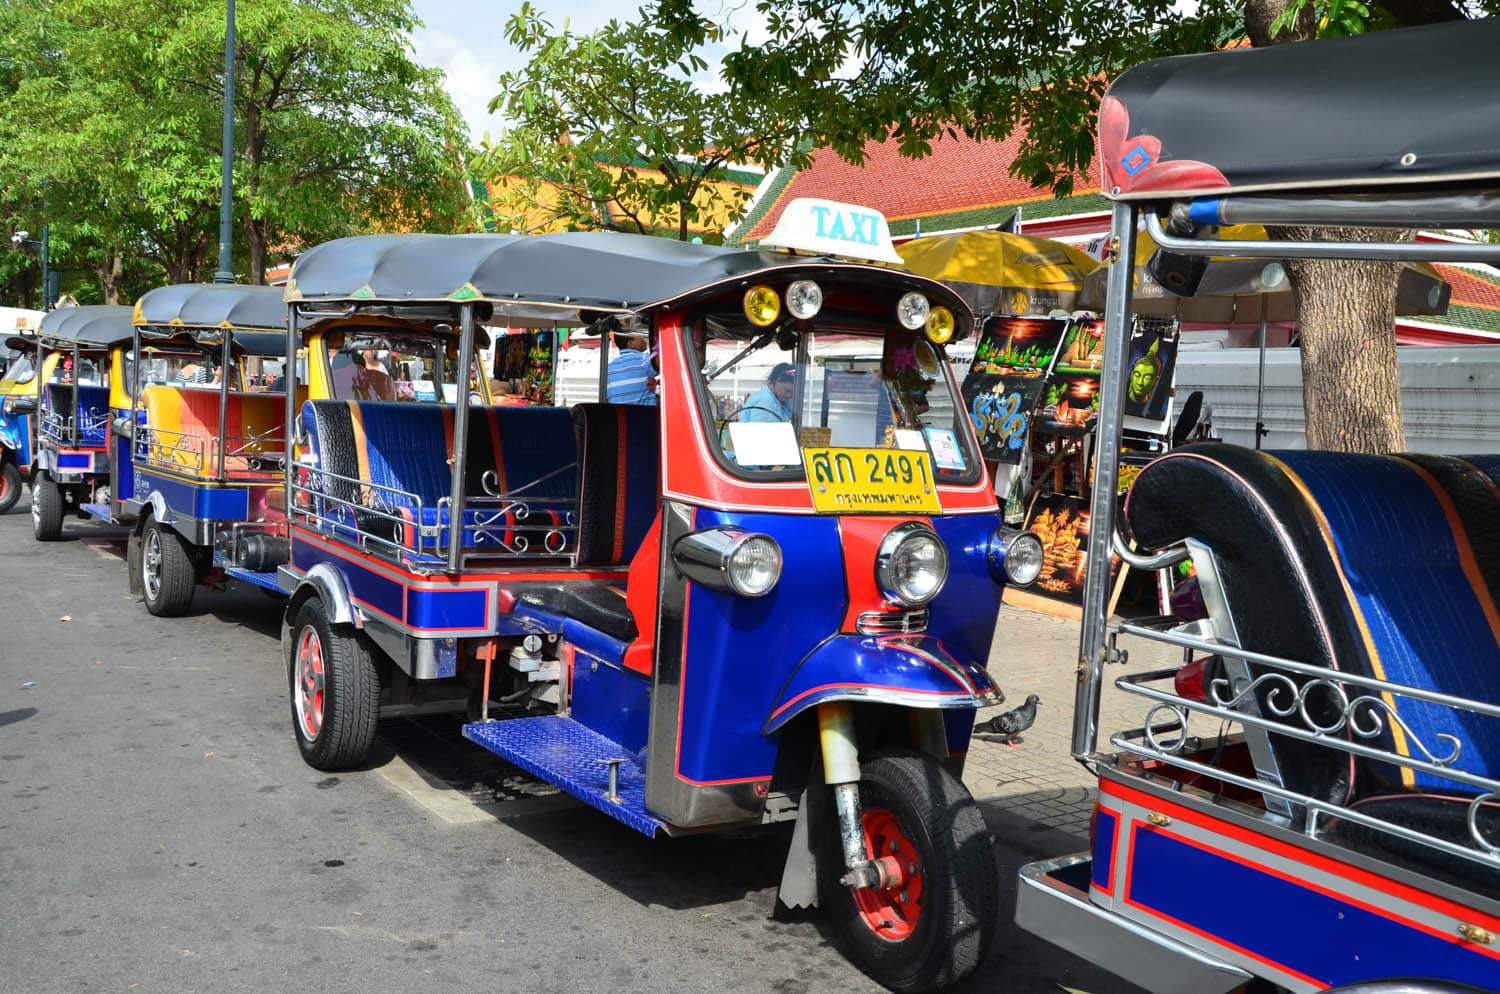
{"points": [[911, 565], [1015, 557], [762, 306], [744, 563], [940, 324], [911, 311], [804, 299]]}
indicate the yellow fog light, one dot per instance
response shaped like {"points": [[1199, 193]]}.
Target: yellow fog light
{"points": [[762, 305], [940, 324]]}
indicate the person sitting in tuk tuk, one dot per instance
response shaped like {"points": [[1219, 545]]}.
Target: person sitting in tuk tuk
{"points": [[632, 373], [772, 402], [372, 382]]}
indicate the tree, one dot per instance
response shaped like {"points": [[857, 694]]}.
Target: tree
{"points": [[337, 129], [613, 129], [856, 70]]}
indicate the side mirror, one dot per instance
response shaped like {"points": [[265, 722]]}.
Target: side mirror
{"points": [[23, 405]]}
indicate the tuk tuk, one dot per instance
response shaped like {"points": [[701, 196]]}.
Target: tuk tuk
{"points": [[723, 605], [1312, 800], [209, 440], [78, 456], [17, 404]]}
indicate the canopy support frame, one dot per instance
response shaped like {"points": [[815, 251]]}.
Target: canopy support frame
{"points": [[460, 436]]}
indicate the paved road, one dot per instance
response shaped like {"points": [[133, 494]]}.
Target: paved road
{"points": [[159, 832]]}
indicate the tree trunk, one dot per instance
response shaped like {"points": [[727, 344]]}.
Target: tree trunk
{"points": [[256, 237], [1346, 312], [111, 275], [1346, 316]]}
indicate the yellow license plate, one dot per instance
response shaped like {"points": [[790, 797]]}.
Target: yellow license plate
{"points": [[871, 481]]}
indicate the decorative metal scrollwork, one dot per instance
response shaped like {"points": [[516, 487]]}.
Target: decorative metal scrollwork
{"points": [[1151, 731], [1366, 716], [1475, 806]]}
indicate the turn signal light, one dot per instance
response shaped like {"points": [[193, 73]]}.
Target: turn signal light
{"points": [[762, 306]]}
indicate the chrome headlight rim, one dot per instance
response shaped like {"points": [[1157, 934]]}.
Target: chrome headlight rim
{"points": [[886, 553], [709, 557], [1003, 565]]}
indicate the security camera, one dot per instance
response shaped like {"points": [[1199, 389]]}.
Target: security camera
{"points": [[19, 238]]}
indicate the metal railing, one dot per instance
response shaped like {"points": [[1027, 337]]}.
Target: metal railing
{"points": [[198, 455], [59, 428], [1346, 713], [391, 522]]}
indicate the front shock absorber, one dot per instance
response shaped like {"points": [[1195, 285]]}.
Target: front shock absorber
{"points": [[841, 771]]}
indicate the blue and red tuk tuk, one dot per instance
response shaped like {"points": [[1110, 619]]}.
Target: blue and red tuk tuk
{"points": [[83, 354], [744, 603], [1312, 800], [209, 439]]}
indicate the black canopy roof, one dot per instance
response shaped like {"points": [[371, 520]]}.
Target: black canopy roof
{"points": [[213, 305], [545, 278], [1419, 105], [92, 326]]}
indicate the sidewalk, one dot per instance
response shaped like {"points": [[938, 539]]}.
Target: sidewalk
{"points": [[1035, 794]]}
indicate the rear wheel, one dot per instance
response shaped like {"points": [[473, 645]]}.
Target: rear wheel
{"points": [[10, 486], [46, 510], [168, 574], [335, 692], [932, 922]]}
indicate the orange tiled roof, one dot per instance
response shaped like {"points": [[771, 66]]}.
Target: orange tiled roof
{"points": [[960, 175]]}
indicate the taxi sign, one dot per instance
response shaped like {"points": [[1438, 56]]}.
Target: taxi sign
{"points": [[871, 481], [827, 227]]}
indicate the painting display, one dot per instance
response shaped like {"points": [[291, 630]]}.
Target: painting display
{"points": [[1007, 379], [1152, 368], [1070, 405]]}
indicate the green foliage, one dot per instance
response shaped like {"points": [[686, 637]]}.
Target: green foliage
{"points": [[850, 71], [111, 110], [615, 129]]}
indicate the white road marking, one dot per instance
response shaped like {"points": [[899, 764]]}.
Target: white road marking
{"points": [[105, 548], [452, 807]]}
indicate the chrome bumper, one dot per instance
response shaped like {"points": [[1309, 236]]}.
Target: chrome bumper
{"points": [[1053, 902]]}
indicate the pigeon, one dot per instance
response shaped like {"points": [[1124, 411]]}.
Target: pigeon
{"points": [[1011, 724]]}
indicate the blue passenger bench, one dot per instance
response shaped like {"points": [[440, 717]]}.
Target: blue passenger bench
{"points": [[403, 449], [1383, 566], [88, 406]]}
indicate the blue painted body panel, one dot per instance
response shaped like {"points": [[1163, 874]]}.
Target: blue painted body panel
{"points": [[439, 610], [1320, 935], [205, 501], [99, 512], [1403, 564], [15, 439], [1106, 823], [917, 670], [612, 701], [565, 753], [594, 642], [963, 615]]}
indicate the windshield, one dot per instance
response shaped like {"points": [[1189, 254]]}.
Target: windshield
{"points": [[19, 371], [836, 386], [179, 369], [394, 366], [88, 370]]}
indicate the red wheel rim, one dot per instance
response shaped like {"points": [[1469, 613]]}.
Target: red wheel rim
{"points": [[311, 682], [891, 912], [4, 487]]}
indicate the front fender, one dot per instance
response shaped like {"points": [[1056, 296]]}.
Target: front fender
{"points": [[915, 671]]}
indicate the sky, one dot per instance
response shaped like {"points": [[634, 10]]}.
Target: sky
{"points": [[466, 39]]}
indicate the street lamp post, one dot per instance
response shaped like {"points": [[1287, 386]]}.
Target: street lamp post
{"points": [[226, 186]]}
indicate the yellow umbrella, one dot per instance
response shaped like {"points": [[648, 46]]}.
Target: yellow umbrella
{"points": [[997, 272], [1248, 291]]}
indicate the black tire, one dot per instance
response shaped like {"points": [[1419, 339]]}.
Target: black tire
{"points": [[10, 486], [46, 509], [334, 720], [956, 900], [168, 573]]}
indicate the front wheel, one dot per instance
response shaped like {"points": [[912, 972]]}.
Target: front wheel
{"points": [[10, 486], [335, 692], [933, 922], [46, 510]]}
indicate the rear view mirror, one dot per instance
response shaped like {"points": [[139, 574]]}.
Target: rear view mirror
{"points": [[23, 405]]}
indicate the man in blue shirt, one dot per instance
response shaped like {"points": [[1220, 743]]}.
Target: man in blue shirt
{"points": [[632, 377], [772, 402]]}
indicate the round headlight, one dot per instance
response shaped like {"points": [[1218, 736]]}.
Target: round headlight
{"points": [[754, 566], [804, 298], [911, 565], [911, 310], [762, 306], [940, 324], [1023, 559]]}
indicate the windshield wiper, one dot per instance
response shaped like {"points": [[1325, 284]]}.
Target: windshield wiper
{"points": [[758, 343]]}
